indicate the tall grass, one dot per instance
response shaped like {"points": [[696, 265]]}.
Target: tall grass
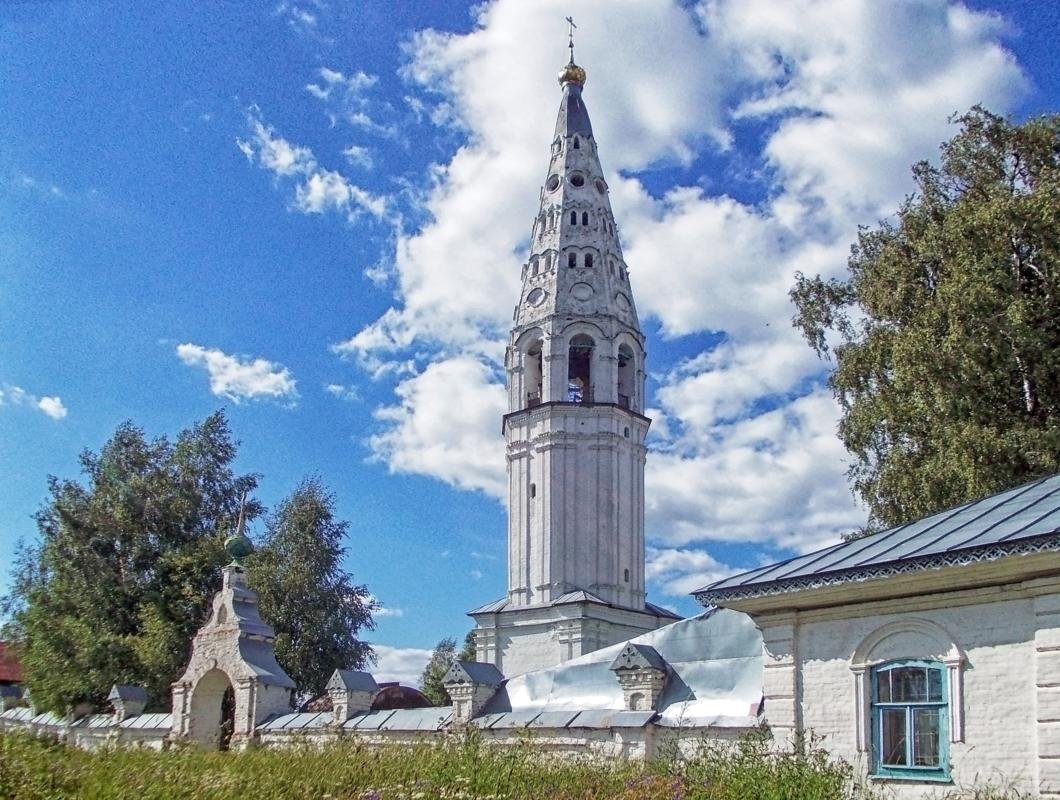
{"points": [[457, 767]]}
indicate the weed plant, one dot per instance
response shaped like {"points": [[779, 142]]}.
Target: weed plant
{"points": [[456, 768]]}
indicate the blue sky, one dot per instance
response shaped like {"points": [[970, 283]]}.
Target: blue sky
{"points": [[311, 213]]}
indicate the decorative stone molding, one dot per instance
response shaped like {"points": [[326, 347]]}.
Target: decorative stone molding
{"points": [[642, 674], [471, 685], [127, 701], [351, 691]]}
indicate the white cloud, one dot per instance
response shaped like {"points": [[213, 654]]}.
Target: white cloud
{"points": [[318, 189], [240, 377], [342, 392], [681, 571], [445, 425], [382, 611], [358, 156], [476, 574], [841, 96], [51, 406], [403, 664]]}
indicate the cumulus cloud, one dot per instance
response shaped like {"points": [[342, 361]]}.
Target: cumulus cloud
{"points": [[402, 664], [445, 425], [239, 378], [681, 571], [317, 189], [50, 406], [822, 105]]}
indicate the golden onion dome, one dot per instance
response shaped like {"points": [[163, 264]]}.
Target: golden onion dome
{"points": [[572, 73]]}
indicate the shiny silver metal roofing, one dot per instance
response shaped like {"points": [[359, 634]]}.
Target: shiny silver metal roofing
{"points": [[149, 722], [714, 664], [1022, 520]]}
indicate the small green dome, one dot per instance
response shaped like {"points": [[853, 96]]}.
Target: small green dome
{"points": [[238, 547]]}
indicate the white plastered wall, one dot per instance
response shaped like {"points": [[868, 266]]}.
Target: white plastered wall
{"points": [[1003, 656]]}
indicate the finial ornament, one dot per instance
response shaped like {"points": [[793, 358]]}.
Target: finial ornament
{"points": [[571, 73], [238, 546]]}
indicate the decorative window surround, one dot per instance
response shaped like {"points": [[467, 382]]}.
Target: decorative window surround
{"points": [[940, 646]]}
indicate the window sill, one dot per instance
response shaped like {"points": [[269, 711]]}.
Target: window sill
{"points": [[935, 779]]}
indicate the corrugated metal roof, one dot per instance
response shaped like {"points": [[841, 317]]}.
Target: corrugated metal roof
{"points": [[369, 721], [1020, 520], [17, 715]]}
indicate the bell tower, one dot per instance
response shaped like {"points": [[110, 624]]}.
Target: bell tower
{"points": [[575, 426]]}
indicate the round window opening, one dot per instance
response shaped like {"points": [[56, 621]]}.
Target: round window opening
{"points": [[601, 187], [536, 297], [577, 180], [552, 183]]}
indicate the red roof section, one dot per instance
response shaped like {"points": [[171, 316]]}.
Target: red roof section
{"points": [[10, 668]]}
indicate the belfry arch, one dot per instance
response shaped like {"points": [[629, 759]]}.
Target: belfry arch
{"points": [[626, 381], [580, 368]]}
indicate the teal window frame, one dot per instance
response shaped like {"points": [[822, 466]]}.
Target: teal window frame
{"points": [[882, 707]]}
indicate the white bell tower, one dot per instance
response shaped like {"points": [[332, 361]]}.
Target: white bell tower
{"points": [[576, 427]]}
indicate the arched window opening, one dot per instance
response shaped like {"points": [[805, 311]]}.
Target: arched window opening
{"points": [[626, 376], [574, 218], [625, 574], [577, 144], [589, 260], [572, 259], [533, 490], [548, 262], [532, 374], [612, 265], [533, 268], [585, 218], [579, 369]]}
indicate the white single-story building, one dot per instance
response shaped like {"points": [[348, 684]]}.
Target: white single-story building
{"points": [[928, 654]]}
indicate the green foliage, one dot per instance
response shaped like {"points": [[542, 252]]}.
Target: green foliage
{"points": [[431, 680], [305, 594], [455, 767], [125, 565], [467, 652], [948, 326]]}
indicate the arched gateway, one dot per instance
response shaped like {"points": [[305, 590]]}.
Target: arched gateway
{"points": [[233, 682]]}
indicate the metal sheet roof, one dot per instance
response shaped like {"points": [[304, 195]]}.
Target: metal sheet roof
{"points": [[149, 722], [715, 670], [552, 719], [1020, 520], [369, 721], [609, 718], [417, 719]]}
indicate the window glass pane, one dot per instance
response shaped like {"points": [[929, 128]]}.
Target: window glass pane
{"points": [[883, 686], [892, 737], [925, 737], [909, 685], [935, 685]]}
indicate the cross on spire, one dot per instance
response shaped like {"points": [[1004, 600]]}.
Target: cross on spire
{"points": [[570, 36]]}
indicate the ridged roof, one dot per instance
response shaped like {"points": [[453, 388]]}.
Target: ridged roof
{"points": [[1024, 519]]}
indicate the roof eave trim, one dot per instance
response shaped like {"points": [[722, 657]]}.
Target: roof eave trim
{"points": [[1032, 544]]}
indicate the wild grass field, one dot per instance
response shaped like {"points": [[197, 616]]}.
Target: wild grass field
{"points": [[461, 767]]}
